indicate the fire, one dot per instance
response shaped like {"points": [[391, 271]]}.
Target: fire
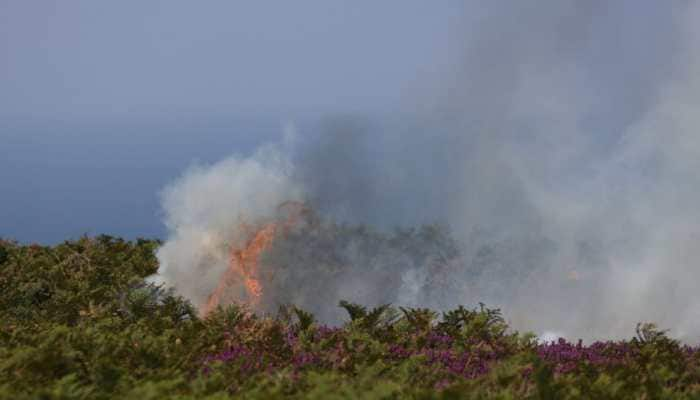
{"points": [[244, 262]]}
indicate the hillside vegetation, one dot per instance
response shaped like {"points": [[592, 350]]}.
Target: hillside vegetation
{"points": [[78, 321]]}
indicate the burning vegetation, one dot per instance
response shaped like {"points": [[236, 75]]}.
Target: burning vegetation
{"points": [[331, 261], [244, 261]]}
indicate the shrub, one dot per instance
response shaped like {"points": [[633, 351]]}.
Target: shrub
{"points": [[78, 321]]}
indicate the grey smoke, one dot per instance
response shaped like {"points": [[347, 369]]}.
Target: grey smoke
{"points": [[559, 145]]}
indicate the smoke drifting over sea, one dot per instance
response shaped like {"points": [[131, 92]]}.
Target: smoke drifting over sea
{"points": [[560, 147]]}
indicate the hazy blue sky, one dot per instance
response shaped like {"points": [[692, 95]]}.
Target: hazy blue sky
{"points": [[83, 59], [103, 103]]}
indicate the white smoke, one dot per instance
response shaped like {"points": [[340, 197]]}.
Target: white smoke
{"points": [[204, 209], [563, 151]]}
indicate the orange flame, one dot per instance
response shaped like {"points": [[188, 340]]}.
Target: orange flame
{"points": [[244, 262]]}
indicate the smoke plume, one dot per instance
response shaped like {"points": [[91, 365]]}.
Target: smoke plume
{"points": [[558, 149]]}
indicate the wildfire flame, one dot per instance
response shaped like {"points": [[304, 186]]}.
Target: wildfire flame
{"points": [[244, 262]]}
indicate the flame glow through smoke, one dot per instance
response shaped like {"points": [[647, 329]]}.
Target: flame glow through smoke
{"points": [[244, 262], [244, 266]]}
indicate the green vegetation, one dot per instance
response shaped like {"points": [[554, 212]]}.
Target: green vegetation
{"points": [[78, 321]]}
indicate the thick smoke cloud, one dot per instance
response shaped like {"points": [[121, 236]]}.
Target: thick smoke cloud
{"points": [[559, 145], [204, 210]]}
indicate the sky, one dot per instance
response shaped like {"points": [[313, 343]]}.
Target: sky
{"points": [[102, 104]]}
